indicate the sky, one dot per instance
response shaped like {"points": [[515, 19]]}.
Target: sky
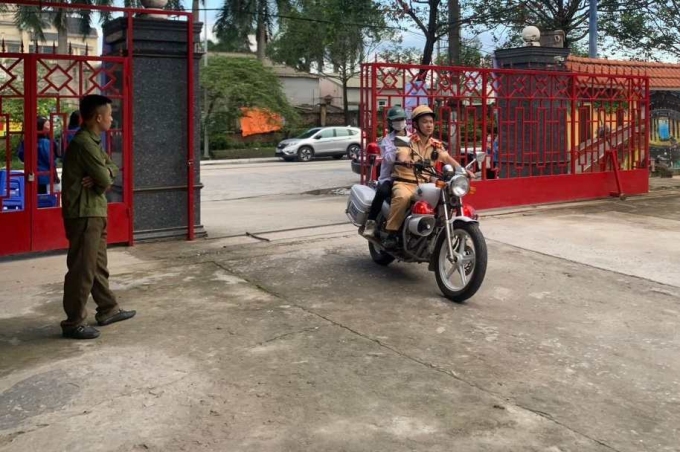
{"points": [[411, 37]]}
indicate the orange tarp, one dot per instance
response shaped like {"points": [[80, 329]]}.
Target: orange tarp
{"points": [[255, 121]]}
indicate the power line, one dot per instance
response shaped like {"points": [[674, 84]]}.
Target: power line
{"points": [[309, 19]]}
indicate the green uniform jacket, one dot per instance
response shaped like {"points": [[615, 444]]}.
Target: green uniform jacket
{"points": [[85, 157]]}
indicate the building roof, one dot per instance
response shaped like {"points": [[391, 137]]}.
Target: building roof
{"points": [[662, 76]]}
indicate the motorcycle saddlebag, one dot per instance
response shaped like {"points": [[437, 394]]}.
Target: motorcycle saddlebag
{"points": [[359, 203]]}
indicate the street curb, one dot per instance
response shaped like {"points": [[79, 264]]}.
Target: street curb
{"points": [[239, 161]]}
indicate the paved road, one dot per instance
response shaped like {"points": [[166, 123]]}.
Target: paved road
{"points": [[300, 342], [237, 181], [240, 198]]}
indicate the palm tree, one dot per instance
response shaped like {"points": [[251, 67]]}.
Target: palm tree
{"points": [[240, 18], [37, 18]]}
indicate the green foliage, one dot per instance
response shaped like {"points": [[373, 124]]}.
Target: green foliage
{"points": [[569, 16], [237, 19], [236, 82], [642, 29], [333, 36], [333, 33]]}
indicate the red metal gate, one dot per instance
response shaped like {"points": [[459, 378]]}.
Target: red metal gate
{"points": [[50, 85], [34, 86], [550, 136]]}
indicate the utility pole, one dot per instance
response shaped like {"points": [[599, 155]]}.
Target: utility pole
{"points": [[592, 29], [206, 141], [454, 32]]}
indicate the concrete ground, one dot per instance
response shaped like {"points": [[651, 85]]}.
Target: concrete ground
{"points": [[296, 341]]}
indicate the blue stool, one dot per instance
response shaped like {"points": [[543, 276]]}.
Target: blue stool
{"points": [[15, 200]]}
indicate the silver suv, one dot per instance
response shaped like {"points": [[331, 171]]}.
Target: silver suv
{"points": [[333, 142]]}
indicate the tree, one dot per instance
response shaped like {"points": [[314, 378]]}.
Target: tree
{"points": [[570, 16], [238, 19], [331, 36], [301, 39], [37, 18], [471, 55], [645, 29], [233, 83], [346, 42], [430, 18]]}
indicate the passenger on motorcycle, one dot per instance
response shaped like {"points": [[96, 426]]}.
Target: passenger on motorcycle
{"points": [[396, 122], [422, 148]]}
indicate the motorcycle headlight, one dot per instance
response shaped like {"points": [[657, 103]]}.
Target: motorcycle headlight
{"points": [[460, 185]]}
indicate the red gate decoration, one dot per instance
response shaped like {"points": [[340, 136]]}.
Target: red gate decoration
{"points": [[549, 136], [51, 85]]}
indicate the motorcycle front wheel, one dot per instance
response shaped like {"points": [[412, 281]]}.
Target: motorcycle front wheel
{"points": [[460, 276]]}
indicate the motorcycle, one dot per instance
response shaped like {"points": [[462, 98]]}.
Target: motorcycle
{"points": [[438, 229]]}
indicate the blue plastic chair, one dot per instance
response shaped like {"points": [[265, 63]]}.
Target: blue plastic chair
{"points": [[15, 200]]}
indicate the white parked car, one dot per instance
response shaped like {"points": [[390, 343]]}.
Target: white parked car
{"points": [[333, 142]]}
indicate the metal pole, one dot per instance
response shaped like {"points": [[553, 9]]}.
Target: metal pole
{"points": [[206, 141], [592, 30], [190, 129], [454, 32]]}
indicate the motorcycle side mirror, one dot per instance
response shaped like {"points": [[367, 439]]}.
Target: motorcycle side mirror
{"points": [[480, 156], [448, 169], [435, 155]]}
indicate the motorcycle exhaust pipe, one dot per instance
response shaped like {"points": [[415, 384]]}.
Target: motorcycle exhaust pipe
{"points": [[421, 226]]}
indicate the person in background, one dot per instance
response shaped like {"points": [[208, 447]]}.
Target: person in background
{"points": [[73, 126], [46, 156]]}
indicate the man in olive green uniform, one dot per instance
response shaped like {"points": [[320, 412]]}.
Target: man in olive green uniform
{"points": [[87, 174]]}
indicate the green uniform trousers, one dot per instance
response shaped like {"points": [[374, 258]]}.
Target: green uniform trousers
{"points": [[87, 272]]}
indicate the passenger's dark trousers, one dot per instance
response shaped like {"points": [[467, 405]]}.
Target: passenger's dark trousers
{"points": [[383, 192], [87, 271]]}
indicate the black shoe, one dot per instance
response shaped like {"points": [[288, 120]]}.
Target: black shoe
{"points": [[117, 317], [391, 242], [81, 332]]}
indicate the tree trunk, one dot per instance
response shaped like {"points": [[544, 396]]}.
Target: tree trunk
{"points": [[345, 103], [428, 51], [261, 35]]}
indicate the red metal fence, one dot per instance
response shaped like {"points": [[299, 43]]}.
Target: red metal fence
{"points": [[50, 85], [549, 135]]}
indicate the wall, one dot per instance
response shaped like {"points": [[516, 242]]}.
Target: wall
{"points": [[301, 91]]}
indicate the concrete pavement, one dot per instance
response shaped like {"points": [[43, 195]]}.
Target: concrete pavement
{"points": [[294, 340]]}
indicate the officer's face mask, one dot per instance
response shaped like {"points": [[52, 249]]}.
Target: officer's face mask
{"points": [[399, 125]]}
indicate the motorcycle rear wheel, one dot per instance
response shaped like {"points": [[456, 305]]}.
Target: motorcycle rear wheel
{"points": [[460, 277], [379, 256]]}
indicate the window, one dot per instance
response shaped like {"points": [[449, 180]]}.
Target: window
{"points": [[327, 133], [342, 133], [353, 132], [308, 133], [13, 47]]}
